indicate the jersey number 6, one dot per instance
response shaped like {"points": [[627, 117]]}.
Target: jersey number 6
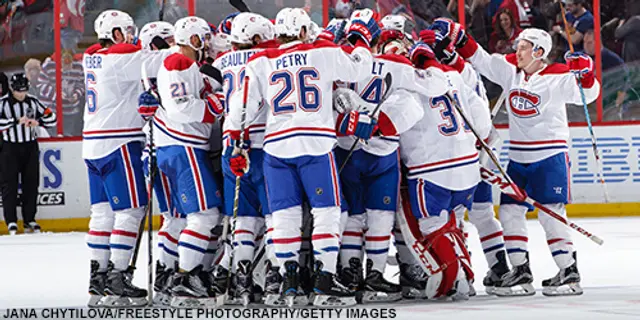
{"points": [[92, 94], [308, 95]]}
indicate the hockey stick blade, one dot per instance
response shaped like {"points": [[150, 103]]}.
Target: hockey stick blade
{"points": [[240, 5], [388, 79], [517, 194]]}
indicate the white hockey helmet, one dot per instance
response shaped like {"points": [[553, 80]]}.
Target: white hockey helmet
{"points": [[539, 38], [290, 21], [246, 25], [187, 27], [219, 43], [314, 32], [150, 30], [109, 20]]}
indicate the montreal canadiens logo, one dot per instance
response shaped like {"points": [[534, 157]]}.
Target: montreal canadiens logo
{"points": [[524, 104]]}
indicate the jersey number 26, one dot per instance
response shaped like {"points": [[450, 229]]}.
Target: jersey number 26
{"points": [[307, 95]]}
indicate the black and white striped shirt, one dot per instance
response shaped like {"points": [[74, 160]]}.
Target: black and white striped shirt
{"points": [[11, 110]]}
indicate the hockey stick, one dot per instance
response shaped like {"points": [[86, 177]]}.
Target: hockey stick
{"points": [[586, 111], [239, 5], [498, 105], [387, 81], [225, 230], [508, 186]]}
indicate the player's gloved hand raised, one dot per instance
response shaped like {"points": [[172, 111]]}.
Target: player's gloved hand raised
{"points": [[363, 25], [420, 53], [357, 124], [147, 105], [233, 142], [334, 31], [581, 65]]}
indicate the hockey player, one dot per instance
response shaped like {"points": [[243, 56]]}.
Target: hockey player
{"points": [[538, 133], [183, 127], [442, 161], [250, 33], [296, 80], [481, 214], [155, 36], [112, 148], [371, 176]]}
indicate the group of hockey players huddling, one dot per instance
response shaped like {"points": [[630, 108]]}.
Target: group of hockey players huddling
{"points": [[357, 124]]}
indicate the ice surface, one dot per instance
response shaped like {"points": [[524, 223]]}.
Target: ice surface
{"points": [[52, 270]]}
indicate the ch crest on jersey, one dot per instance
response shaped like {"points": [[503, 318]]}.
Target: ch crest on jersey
{"points": [[524, 104]]}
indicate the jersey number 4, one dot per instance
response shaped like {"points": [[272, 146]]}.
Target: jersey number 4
{"points": [[307, 97], [450, 126]]}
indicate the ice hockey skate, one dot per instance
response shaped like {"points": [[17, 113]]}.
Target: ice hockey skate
{"points": [[565, 283], [517, 282], [413, 281], [241, 285], [96, 285], [31, 227], [352, 275], [162, 283], [329, 292], [189, 292], [121, 293], [495, 274], [13, 228], [378, 289]]}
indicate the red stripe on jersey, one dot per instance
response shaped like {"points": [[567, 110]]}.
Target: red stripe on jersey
{"points": [[286, 240], [197, 178], [195, 234], [377, 238], [133, 192], [277, 133], [527, 143], [124, 233], [516, 238], [352, 234], [321, 236], [169, 237], [491, 236], [552, 241], [99, 233]]}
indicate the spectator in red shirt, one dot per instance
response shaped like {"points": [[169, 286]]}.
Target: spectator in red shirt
{"points": [[505, 33]]}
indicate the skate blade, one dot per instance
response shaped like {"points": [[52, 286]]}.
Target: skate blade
{"points": [[238, 301], [276, 300], [95, 301], [192, 303], [515, 291], [490, 290], [411, 293], [570, 289], [377, 297], [289, 300], [123, 302], [324, 301], [160, 298]]}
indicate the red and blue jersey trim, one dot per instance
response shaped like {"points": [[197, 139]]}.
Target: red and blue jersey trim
{"points": [[299, 132], [179, 136], [443, 164], [537, 145], [113, 134]]}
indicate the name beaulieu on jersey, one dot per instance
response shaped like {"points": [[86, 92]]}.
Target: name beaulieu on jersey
{"points": [[236, 313]]}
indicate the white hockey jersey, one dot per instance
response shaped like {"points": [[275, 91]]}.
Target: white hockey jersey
{"points": [[400, 104], [113, 85], [232, 65], [185, 119], [439, 148], [538, 126], [296, 81]]}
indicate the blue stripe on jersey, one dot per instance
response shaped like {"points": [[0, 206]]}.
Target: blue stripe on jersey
{"points": [[537, 149], [135, 135], [176, 138], [412, 173], [299, 134]]}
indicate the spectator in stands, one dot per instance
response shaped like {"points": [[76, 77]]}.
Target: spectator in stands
{"points": [[72, 90], [521, 11], [505, 32], [4, 84], [610, 62], [628, 32], [579, 19], [32, 70]]}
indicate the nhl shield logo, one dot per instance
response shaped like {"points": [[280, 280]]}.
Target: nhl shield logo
{"points": [[319, 191], [115, 200], [386, 200], [183, 197]]}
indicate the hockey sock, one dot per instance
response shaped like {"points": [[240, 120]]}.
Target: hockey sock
{"points": [[123, 236], [489, 230], [210, 254], [404, 255], [558, 236], [269, 248], [243, 239], [169, 234], [352, 238], [325, 238], [100, 226], [377, 236], [513, 219], [195, 238], [286, 235]]}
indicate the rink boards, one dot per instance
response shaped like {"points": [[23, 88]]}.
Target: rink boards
{"points": [[64, 194]]}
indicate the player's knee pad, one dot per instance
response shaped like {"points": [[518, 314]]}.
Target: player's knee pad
{"points": [[102, 217], [481, 212], [550, 224], [129, 219], [203, 222], [326, 219], [344, 217], [380, 220], [459, 211], [445, 245], [289, 218], [513, 218]]}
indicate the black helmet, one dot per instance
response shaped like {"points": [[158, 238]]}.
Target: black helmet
{"points": [[19, 82]]}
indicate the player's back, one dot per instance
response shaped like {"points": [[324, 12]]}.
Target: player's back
{"points": [[296, 81], [113, 84], [440, 148], [232, 65]]}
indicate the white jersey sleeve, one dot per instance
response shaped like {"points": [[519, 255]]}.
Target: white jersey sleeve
{"points": [[498, 68]]}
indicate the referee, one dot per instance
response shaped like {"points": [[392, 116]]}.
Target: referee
{"points": [[20, 114]]}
